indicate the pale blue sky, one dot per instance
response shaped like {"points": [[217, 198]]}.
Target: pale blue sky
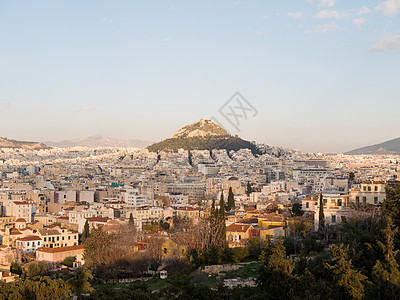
{"points": [[323, 75]]}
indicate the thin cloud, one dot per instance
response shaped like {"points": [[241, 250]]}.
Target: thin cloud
{"points": [[323, 3], [388, 42], [364, 10], [236, 3], [326, 13], [324, 28], [389, 7], [167, 39], [295, 15], [359, 22]]}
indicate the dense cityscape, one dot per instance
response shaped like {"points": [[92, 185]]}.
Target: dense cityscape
{"points": [[99, 221], [211, 150]]}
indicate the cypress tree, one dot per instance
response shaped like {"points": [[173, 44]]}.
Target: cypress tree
{"points": [[321, 213], [213, 208], [231, 199], [85, 233], [249, 190], [221, 220], [131, 222], [221, 211]]}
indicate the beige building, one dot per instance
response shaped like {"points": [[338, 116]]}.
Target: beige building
{"points": [[54, 237], [370, 192]]}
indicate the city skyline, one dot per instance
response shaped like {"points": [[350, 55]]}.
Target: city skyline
{"points": [[321, 74]]}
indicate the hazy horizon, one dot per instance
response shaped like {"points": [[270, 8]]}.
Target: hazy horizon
{"points": [[322, 74]]}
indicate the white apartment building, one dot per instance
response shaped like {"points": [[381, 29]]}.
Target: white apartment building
{"points": [[305, 173], [29, 243], [75, 216], [336, 207], [208, 169], [132, 197]]}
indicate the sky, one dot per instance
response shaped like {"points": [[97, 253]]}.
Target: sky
{"points": [[316, 75]]}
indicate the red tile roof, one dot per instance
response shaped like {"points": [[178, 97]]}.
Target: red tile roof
{"points": [[60, 249], [29, 238], [238, 228]]}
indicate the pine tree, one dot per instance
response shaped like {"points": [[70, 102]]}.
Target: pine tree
{"points": [[276, 272], [321, 214], [86, 231], [345, 276], [231, 199], [386, 274]]}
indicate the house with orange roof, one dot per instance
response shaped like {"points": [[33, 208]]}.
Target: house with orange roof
{"points": [[7, 277], [29, 243], [10, 235], [238, 234], [20, 223], [54, 255]]}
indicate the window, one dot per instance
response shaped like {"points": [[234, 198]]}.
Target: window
{"points": [[376, 188], [364, 188], [165, 250], [369, 188], [375, 200], [358, 200], [44, 239], [333, 219], [364, 200], [307, 205]]}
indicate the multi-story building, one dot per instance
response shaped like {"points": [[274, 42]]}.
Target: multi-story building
{"points": [[370, 192], [29, 243], [336, 207], [58, 254], [54, 237]]}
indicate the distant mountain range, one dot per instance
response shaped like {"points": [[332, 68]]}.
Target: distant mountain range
{"points": [[8, 143], [99, 141], [203, 135], [388, 147]]}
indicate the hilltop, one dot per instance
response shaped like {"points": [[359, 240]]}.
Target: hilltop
{"points": [[8, 143], [203, 135], [388, 147]]}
